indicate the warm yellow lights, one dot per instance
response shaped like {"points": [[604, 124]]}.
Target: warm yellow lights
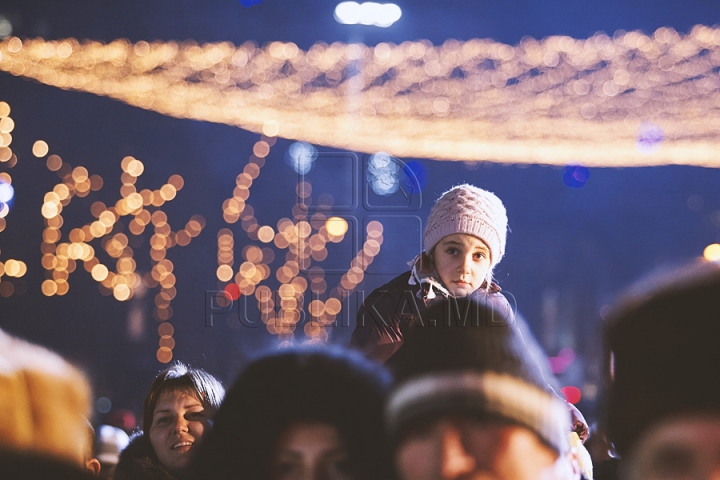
{"points": [[40, 148], [336, 226], [712, 252], [542, 101]]}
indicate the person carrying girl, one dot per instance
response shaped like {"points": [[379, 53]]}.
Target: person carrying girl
{"points": [[464, 240]]}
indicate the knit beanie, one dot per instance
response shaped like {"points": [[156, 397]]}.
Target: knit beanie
{"points": [[663, 341], [471, 359], [472, 210]]}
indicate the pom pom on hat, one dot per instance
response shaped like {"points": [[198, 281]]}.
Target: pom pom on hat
{"points": [[471, 210]]}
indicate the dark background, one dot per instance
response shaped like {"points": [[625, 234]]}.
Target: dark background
{"points": [[571, 251]]}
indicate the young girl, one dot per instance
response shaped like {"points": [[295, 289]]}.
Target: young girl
{"points": [[463, 241]]}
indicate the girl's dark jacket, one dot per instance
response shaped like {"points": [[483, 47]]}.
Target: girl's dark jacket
{"points": [[392, 310], [139, 462]]}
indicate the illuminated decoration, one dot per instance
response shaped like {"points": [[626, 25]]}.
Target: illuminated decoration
{"points": [[5, 26], [575, 176], [712, 252], [305, 237], [572, 394], [10, 268], [383, 174], [560, 362], [121, 279], [301, 156], [368, 13], [554, 101]]}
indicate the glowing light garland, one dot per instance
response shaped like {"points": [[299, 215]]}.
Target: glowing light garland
{"points": [[550, 101], [60, 258], [305, 240]]}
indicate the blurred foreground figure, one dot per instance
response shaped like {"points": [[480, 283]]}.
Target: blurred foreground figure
{"points": [[301, 414], [177, 415], [663, 348], [44, 402], [110, 442], [472, 401]]}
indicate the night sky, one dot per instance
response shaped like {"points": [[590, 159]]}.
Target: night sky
{"points": [[570, 252]]}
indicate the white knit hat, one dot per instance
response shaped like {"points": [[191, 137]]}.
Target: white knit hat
{"points": [[472, 210]]}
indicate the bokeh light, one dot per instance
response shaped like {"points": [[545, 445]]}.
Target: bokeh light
{"points": [[572, 394], [383, 173], [575, 176], [367, 13], [591, 100], [40, 148], [650, 137], [336, 226], [417, 174], [301, 156], [712, 252]]}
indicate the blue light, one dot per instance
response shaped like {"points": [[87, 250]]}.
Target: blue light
{"points": [[383, 174], [250, 3], [417, 175], [6, 192], [649, 138], [575, 176], [301, 156]]}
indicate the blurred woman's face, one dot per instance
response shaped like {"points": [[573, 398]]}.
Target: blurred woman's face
{"points": [[178, 425], [311, 451]]}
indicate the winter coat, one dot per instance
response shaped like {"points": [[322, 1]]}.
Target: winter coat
{"points": [[390, 311], [139, 462]]}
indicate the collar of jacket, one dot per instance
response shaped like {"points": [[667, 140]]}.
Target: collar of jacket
{"points": [[432, 290]]}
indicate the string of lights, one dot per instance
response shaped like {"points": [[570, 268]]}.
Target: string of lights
{"points": [[625, 100], [10, 268], [60, 259], [305, 241]]}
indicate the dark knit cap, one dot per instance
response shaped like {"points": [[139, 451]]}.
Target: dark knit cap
{"points": [[664, 341], [476, 361]]}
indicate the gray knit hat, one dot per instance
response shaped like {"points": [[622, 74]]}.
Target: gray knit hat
{"points": [[472, 210], [479, 362]]}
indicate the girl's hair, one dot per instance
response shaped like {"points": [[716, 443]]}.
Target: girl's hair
{"points": [[325, 385], [179, 376]]}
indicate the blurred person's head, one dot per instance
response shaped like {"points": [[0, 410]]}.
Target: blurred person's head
{"points": [[177, 413], [663, 362], [307, 413], [472, 401], [110, 442], [44, 402], [91, 463]]}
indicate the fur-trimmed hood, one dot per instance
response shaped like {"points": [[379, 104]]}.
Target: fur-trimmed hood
{"points": [[139, 462]]}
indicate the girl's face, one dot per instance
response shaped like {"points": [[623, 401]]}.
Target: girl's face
{"points": [[462, 261], [311, 451], [178, 425]]}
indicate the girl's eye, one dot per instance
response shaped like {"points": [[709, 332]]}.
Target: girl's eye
{"points": [[479, 256], [452, 251], [162, 420]]}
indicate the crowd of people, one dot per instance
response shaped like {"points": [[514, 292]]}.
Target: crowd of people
{"points": [[442, 380]]}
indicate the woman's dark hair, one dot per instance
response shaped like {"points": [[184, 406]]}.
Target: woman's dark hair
{"points": [[326, 385], [179, 376]]}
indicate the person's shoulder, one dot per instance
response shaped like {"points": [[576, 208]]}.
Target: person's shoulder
{"points": [[494, 297], [394, 287], [138, 462]]}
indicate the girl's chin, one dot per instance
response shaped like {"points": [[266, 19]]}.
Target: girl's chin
{"points": [[461, 291]]}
